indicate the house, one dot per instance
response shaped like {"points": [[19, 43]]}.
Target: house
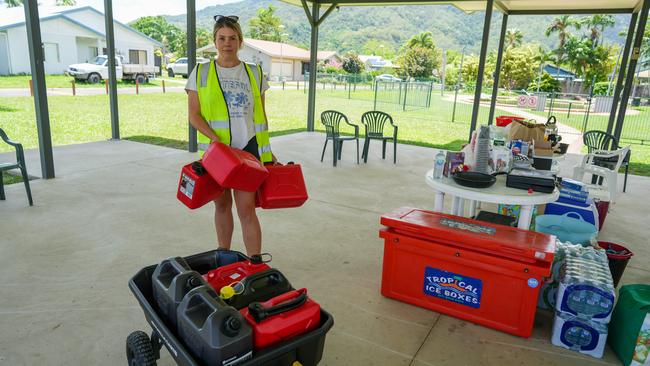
{"points": [[564, 75], [70, 35], [375, 63], [280, 61]]}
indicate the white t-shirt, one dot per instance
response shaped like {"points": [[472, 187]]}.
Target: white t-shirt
{"points": [[239, 98]]}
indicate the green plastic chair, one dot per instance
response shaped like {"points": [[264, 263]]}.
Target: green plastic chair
{"points": [[19, 164], [375, 121], [332, 120]]}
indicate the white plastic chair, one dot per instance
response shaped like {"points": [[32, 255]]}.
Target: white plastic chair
{"points": [[607, 191]]}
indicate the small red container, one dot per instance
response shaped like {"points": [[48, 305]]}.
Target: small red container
{"points": [[282, 317], [503, 121], [196, 187], [484, 273], [284, 188], [234, 272], [234, 168], [603, 209]]}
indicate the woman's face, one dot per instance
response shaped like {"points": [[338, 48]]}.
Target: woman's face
{"points": [[227, 42]]}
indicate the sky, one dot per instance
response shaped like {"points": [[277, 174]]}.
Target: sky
{"points": [[128, 10]]}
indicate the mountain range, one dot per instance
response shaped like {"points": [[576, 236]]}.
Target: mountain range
{"points": [[349, 28]]}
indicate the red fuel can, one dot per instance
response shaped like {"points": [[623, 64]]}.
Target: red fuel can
{"points": [[283, 188], [234, 272], [484, 273], [234, 168], [282, 317], [196, 187]]}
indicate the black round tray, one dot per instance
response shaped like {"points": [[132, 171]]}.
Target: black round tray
{"points": [[474, 179]]}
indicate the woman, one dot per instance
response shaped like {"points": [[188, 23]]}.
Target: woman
{"points": [[226, 104]]}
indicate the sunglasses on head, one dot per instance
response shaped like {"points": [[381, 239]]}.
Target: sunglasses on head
{"points": [[226, 18]]}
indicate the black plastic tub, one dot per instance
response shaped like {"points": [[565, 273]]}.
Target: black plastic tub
{"points": [[142, 350]]}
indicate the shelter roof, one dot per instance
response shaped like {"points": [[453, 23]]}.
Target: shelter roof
{"points": [[509, 6]]}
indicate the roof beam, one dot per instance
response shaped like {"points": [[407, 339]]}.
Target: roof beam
{"points": [[502, 8], [572, 11]]}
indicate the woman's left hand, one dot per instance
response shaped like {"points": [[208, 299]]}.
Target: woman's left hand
{"points": [[274, 159]]}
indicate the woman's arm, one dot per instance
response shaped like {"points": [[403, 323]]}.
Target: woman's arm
{"points": [[196, 120]]}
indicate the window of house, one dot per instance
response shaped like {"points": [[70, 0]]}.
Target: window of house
{"points": [[305, 68], [138, 57], [51, 52], [93, 52]]}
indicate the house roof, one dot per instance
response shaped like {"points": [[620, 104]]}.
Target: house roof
{"points": [[15, 17], [276, 49], [563, 74]]}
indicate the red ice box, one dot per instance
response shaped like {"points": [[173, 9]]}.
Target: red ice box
{"points": [[233, 168], [234, 272], [196, 187], [484, 273], [282, 317], [283, 188]]}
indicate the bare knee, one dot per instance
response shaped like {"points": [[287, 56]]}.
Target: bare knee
{"points": [[245, 202], [224, 202]]}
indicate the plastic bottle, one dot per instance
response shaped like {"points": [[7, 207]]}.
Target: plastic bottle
{"points": [[439, 165]]}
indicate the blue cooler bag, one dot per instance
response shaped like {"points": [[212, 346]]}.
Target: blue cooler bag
{"points": [[565, 228], [587, 210]]}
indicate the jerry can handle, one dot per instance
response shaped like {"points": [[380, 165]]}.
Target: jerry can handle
{"points": [[198, 168], [259, 312], [268, 274]]}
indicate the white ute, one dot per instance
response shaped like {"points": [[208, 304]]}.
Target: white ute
{"points": [[97, 69]]}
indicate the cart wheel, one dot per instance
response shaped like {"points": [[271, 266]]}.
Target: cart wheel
{"points": [[139, 350]]}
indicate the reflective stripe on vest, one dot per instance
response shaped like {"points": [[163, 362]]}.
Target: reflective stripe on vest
{"points": [[215, 110]]}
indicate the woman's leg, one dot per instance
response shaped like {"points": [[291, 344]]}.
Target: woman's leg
{"points": [[250, 225], [223, 219]]}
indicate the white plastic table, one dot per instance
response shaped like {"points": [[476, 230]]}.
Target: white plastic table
{"points": [[497, 193]]}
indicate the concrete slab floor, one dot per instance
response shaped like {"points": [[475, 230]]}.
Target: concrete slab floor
{"points": [[112, 210]]}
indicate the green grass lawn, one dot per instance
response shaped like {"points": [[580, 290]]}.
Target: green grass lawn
{"points": [[162, 119], [63, 81]]}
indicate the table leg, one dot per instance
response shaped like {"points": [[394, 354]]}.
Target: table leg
{"points": [[472, 208], [455, 203], [461, 208], [439, 202], [525, 217]]}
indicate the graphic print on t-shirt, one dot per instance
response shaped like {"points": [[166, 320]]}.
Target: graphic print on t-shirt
{"points": [[239, 98]]}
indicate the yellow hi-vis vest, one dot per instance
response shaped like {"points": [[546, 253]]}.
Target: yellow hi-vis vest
{"points": [[215, 110]]}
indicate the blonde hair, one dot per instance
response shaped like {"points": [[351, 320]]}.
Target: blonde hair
{"points": [[227, 24]]}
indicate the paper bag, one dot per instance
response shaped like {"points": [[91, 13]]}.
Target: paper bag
{"points": [[526, 131]]}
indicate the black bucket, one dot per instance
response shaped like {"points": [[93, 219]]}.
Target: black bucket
{"points": [[618, 257]]}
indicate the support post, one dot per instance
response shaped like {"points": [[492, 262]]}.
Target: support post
{"points": [[36, 59], [497, 68], [191, 62], [636, 52], [621, 72], [313, 60], [481, 66], [112, 76]]}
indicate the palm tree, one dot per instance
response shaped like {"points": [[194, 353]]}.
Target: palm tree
{"points": [[561, 25], [514, 38], [542, 57], [597, 24], [424, 40], [14, 3]]}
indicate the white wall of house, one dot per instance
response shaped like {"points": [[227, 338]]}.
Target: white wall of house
{"points": [[249, 54], [4, 54], [67, 43], [125, 39]]}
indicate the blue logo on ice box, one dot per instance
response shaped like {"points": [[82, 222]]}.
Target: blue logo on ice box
{"points": [[453, 287], [533, 283]]}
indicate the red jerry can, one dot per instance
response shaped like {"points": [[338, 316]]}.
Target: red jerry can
{"points": [[282, 317], [234, 272], [284, 187], [196, 187], [234, 168]]}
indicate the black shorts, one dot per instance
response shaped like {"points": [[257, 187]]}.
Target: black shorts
{"points": [[251, 147]]}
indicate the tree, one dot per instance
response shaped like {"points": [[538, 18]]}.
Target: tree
{"points": [[66, 2], [548, 84], [597, 24], [14, 3], [352, 64], [592, 63], [379, 48], [172, 37], [418, 62], [514, 37], [517, 68], [266, 25], [561, 25], [424, 40]]}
